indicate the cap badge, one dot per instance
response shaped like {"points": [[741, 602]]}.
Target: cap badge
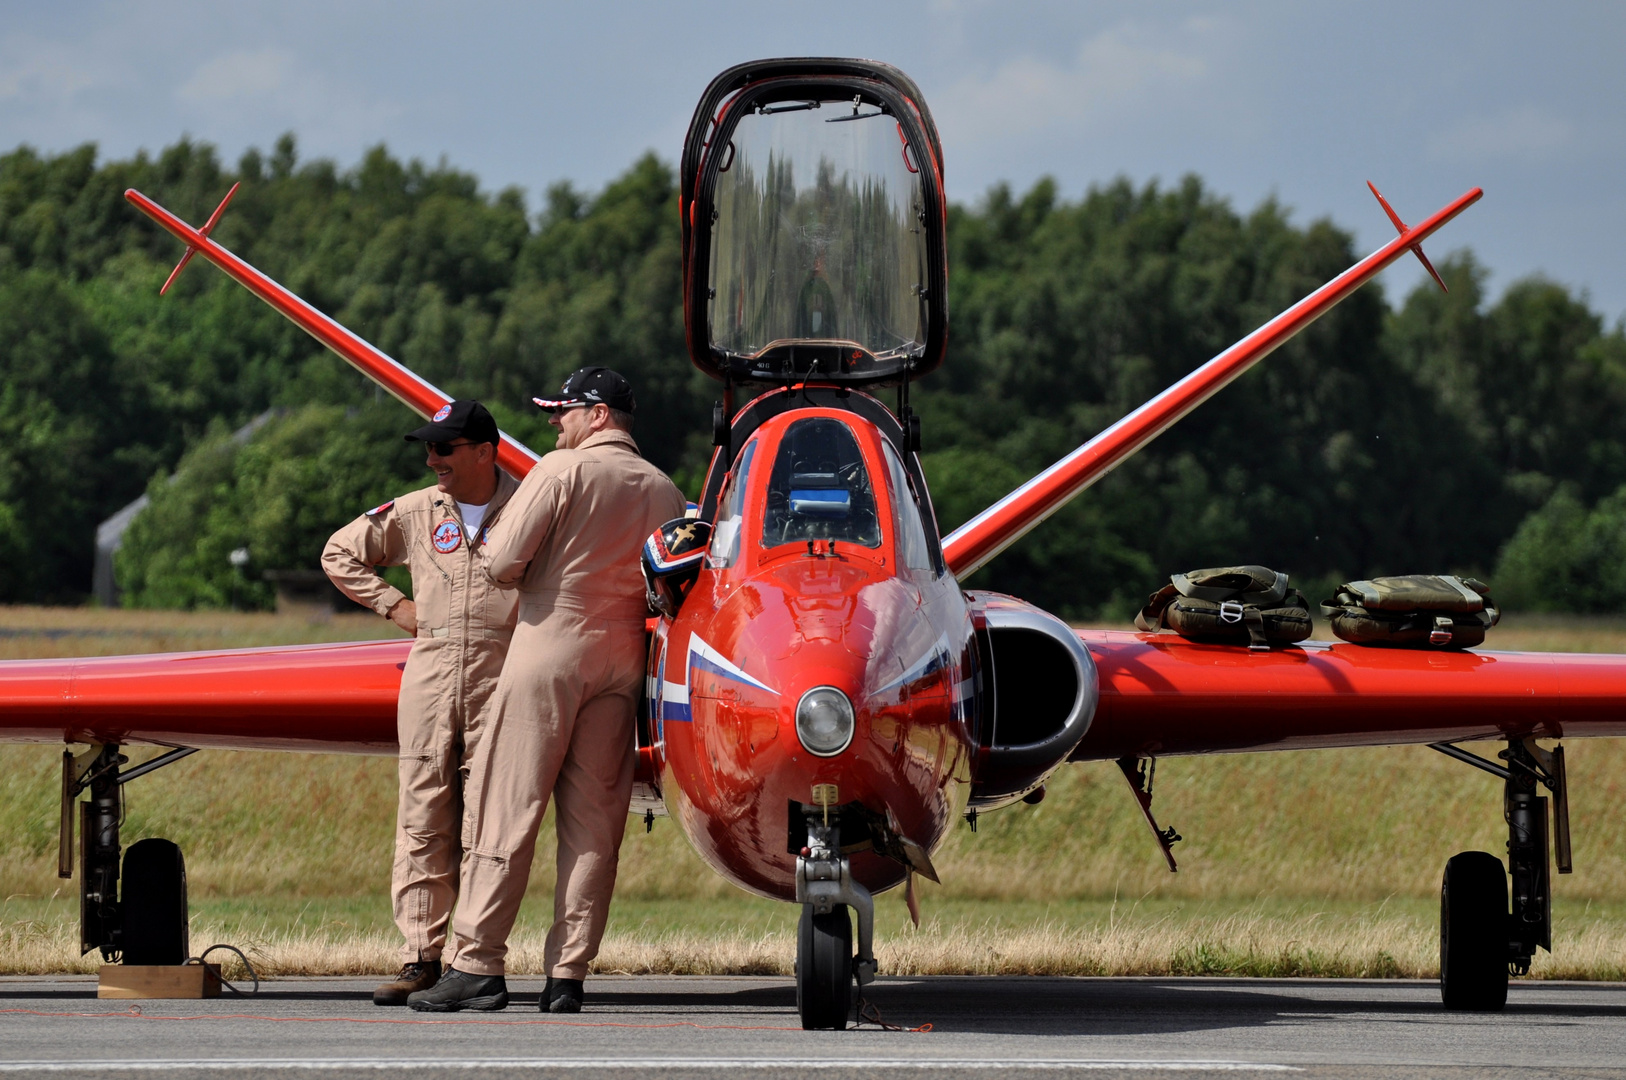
{"points": [[442, 413], [447, 537]]}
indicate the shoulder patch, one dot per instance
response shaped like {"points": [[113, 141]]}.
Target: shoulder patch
{"points": [[381, 508]]}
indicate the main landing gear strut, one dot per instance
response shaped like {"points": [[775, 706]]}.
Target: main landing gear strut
{"points": [[825, 965], [149, 924], [1482, 942]]}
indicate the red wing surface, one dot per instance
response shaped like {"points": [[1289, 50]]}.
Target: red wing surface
{"points": [[1163, 695], [316, 698], [1160, 696]]}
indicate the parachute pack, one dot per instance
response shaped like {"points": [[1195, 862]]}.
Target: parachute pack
{"points": [[1250, 605], [1413, 611]]}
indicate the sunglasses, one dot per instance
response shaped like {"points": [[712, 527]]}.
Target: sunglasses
{"points": [[444, 449]]}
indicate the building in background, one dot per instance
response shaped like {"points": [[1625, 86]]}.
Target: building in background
{"points": [[104, 586]]}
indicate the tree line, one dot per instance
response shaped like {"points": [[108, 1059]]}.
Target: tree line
{"points": [[1447, 433]]}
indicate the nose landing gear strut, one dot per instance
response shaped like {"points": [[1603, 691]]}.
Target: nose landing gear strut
{"points": [[825, 965]]}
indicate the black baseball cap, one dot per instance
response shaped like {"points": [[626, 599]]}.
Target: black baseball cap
{"points": [[592, 386], [466, 419]]}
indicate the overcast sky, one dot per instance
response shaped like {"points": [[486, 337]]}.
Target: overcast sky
{"points": [[1302, 100]]}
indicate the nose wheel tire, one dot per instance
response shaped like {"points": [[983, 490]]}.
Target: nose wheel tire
{"points": [[1474, 933], [824, 968], [155, 927]]}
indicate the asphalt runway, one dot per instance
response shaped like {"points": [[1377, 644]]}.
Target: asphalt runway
{"points": [[683, 1028]]}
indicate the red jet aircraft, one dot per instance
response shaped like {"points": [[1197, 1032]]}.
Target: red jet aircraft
{"points": [[827, 701]]}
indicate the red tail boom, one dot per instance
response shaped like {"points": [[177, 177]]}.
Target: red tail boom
{"points": [[417, 394], [973, 544]]}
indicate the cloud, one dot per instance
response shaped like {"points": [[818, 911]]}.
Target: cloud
{"points": [[239, 74], [275, 87], [1109, 68], [34, 71], [1527, 133]]}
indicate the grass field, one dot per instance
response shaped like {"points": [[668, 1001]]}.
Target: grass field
{"points": [[1309, 863]]}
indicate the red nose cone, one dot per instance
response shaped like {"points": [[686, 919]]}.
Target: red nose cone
{"points": [[740, 774]]}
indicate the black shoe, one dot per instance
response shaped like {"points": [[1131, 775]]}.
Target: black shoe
{"points": [[419, 975], [458, 990], [561, 996]]}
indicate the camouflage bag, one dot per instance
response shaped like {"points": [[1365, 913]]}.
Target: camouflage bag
{"points": [[1415, 611], [1249, 605]]}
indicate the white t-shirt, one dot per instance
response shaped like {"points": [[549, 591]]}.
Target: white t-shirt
{"points": [[472, 516]]}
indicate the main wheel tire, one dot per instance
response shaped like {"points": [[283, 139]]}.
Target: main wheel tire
{"points": [[1473, 933], [153, 906], [824, 968]]}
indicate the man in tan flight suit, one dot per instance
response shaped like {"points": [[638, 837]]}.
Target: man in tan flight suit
{"points": [[562, 719], [462, 624]]}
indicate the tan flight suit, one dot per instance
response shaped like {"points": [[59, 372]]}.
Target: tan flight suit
{"points": [[464, 626], [562, 722]]}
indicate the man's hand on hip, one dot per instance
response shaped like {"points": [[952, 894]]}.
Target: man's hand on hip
{"points": [[405, 615]]}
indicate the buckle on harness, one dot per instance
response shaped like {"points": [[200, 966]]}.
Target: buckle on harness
{"points": [[1230, 611]]}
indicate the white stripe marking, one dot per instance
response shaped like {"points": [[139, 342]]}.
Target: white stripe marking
{"points": [[913, 672], [698, 647], [741, 1064]]}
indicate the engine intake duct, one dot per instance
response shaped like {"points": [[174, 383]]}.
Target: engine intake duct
{"points": [[1036, 698]]}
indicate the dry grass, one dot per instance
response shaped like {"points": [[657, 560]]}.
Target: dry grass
{"points": [[1560, 633], [1319, 862], [1356, 825], [28, 633], [1261, 940]]}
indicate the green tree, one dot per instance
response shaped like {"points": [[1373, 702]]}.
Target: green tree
{"points": [[1378, 441], [278, 495], [1325, 459], [1566, 557], [79, 439]]}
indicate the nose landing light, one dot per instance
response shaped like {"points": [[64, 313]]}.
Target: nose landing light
{"points": [[824, 721]]}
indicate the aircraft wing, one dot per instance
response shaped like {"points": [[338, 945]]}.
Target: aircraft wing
{"points": [[1162, 695], [319, 698]]}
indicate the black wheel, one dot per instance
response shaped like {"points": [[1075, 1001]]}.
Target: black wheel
{"points": [[824, 968], [154, 904], [1473, 933]]}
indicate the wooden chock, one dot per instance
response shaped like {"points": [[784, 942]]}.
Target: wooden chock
{"points": [[159, 981]]}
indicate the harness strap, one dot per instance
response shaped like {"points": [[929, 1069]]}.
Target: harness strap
{"points": [[1262, 597]]}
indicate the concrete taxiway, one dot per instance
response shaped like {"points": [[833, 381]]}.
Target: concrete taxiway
{"points": [[677, 1028]]}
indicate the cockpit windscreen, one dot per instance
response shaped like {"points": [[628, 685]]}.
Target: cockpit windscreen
{"points": [[820, 489]]}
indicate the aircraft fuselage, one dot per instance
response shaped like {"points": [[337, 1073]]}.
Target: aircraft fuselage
{"points": [[779, 613]]}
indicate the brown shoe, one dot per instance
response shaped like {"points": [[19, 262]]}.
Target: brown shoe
{"points": [[420, 975]]}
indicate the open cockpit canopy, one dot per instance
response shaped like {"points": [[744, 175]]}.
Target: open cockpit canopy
{"points": [[813, 219]]}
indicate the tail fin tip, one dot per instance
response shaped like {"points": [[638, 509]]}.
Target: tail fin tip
{"points": [[1400, 226], [209, 225]]}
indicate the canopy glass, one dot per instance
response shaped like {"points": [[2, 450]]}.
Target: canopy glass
{"points": [[818, 235]]}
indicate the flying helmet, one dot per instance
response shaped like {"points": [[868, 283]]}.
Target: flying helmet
{"points": [[671, 561]]}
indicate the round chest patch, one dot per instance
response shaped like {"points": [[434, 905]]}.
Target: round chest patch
{"points": [[447, 537], [443, 413]]}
